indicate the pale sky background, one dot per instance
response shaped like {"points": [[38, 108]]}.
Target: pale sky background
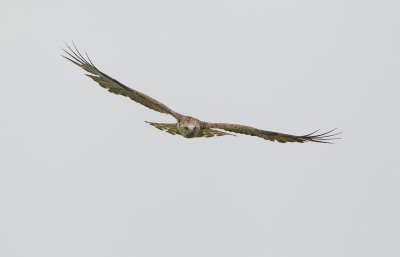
{"points": [[81, 174]]}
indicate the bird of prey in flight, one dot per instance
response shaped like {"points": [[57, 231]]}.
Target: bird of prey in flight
{"points": [[185, 126]]}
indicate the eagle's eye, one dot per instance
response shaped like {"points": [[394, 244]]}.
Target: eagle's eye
{"points": [[186, 128]]}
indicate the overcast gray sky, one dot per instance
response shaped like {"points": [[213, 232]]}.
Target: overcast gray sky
{"points": [[83, 175]]}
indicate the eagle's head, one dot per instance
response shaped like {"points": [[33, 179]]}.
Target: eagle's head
{"points": [[189, 127]]}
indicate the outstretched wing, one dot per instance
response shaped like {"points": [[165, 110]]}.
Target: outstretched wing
{"points": [[275, 136], [112, 85]]}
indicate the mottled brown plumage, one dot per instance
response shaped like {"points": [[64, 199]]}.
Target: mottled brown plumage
{"points": [[186, 126]]}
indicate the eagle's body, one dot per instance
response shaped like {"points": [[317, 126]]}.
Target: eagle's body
{"points": [[185, 126], [190, 127]]}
